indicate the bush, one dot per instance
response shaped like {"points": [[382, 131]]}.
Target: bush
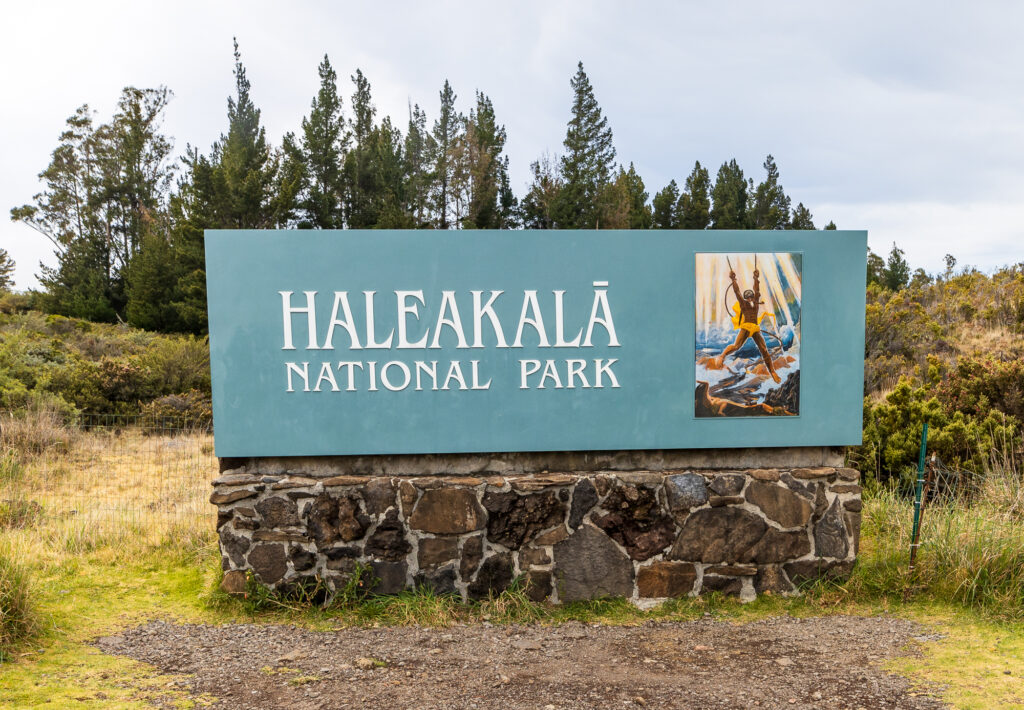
{"points": [[17, 614], [192, 409], [892, 434], [980, 384]]}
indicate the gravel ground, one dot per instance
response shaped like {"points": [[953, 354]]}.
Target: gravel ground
{"points": [[781, 662]]}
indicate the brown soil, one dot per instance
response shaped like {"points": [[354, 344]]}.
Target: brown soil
{"points": [[782, 662]]}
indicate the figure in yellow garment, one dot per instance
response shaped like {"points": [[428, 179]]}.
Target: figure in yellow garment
{"points": [[748, 322]]}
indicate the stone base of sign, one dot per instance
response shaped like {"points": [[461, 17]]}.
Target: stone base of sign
{"points": [[593, 530]]}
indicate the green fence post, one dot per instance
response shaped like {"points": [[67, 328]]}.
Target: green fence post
{"points": [[914, 544]]}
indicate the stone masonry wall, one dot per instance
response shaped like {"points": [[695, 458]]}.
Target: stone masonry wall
{"points": [[566, 536]]}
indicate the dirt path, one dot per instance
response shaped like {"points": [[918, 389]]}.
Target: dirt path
{"points": [[780, 662]]}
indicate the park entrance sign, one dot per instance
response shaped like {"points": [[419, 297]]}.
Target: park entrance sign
{"points": [[411, 342]]}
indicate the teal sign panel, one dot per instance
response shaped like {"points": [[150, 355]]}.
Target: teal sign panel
{"points": [[403, 342]]}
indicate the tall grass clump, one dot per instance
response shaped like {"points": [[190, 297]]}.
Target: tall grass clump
{"points": [[36, 430], [17, 613], [972, 544]]}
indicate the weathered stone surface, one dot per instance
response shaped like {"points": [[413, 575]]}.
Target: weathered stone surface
{"points": [[235, 479], [537, 584], [269, 562], [771, 579], [584, 497], [439, 581], [776, 546], [804, 488], [300, 494], [532, 556], [779, 504], [494, 576], [244, 511], [848, 474], [636, 520], [388, 541], [447, 511], [719, 501], [539, 482], [391, 577], [803, 571], [551, 537], [472, 553], [302, 559], [231, 496], [603, 484], [344, 481], [233, 583], [333, 518], [277, 512], [515, 519], [589, 565], [342, 553], [223, 517], [846, 488], [434, 551], [378, 496], [278, 536], [293, 482], [764, 474], [716, 535], [853, 526], [830, 538], [730, 586], [234, 546], [685, 491], [813, 473], [727, 485], [854, 505], [666, 579], [407, 493], [733, 570]]}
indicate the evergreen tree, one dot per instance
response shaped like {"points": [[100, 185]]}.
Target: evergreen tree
{"points": [[897, 272], [665, 213], [639, 210], [387, 174], [729, 198], [318, 157], [239, 186], [419, 149], [152, 280], [509, 216], [447, 130], [485, 141], [6, 271], [538, 209], [589, 159], [770, 208], [830, 226], [102, 184], [802, 218], [361, 188], [695, 203]]}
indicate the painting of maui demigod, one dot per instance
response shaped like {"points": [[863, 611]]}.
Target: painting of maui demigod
{"points": [[748, 335]]}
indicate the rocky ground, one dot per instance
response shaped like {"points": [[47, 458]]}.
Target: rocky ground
{"points": [[831, 662]]}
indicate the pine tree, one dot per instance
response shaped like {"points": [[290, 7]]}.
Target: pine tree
{"points": [[239, 186], [639, 211], [876, 269], [830, 226], [538, 208], [729, 198], [419, 147], [387, 171], [485, 141], [361, 192], [695, 203], [665, 207], [319, 156], [509, 214], [897, 272], [770, 208], [6, 271], [447, 130], [589, 159], [802, 218]]}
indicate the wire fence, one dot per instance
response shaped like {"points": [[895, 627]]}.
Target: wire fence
{"points": [[100, 469]]}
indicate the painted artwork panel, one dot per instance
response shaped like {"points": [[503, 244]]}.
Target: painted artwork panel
{"points": [[748, 310]]}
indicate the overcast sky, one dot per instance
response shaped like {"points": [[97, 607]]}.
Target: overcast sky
{"points": [[905, 119]]}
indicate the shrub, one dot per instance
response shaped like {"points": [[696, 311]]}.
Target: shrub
{"points": [[979, 384], [180, 410]]}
